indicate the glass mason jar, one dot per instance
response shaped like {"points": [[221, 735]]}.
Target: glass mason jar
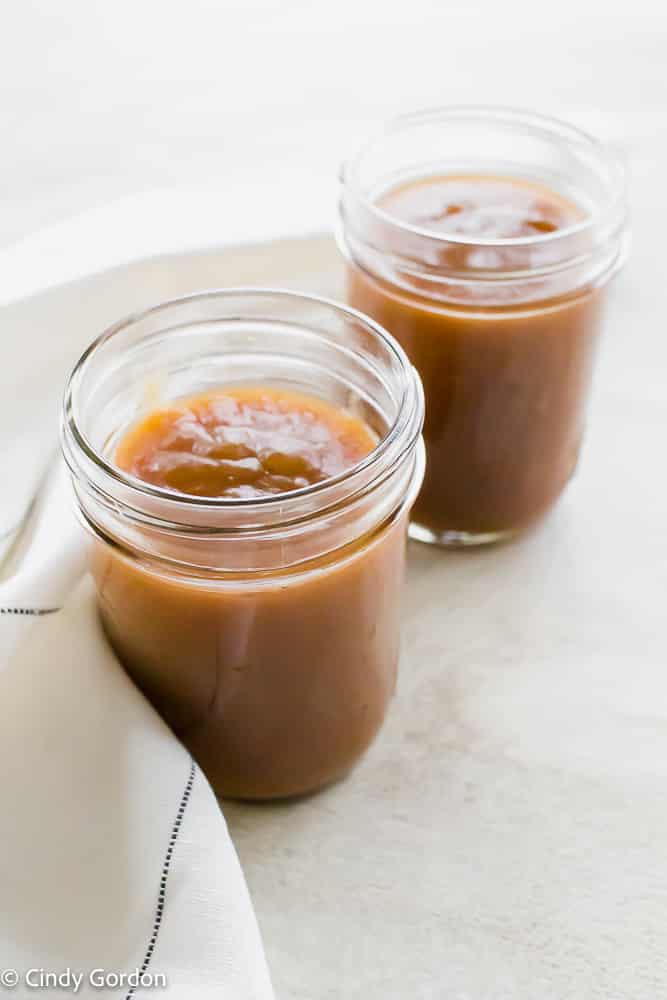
{"points": [[265, 631], [502, 331]]}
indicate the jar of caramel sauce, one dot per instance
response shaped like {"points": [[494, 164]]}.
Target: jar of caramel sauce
{"points": [[245, 462], [484, 241]]}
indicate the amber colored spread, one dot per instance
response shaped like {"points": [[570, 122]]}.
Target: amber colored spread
{"points": [[480, 207], [244, 442], [505, 385], [275, 685]]}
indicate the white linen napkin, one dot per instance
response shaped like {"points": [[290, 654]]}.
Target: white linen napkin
{"points": [[114, 854]]}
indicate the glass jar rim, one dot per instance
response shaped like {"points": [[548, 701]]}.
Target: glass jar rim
{"points": [[546, 125], [402, 435]]}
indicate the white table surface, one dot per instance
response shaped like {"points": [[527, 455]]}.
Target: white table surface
{"points": [[505, 839]]}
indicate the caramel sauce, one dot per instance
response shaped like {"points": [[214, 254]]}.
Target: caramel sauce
{"points": [[505, 384], [243, 443], [478, 207], [276, 686]]}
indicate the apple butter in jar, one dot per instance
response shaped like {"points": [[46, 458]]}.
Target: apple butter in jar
{"points": [[484, 241], [245, 462]]}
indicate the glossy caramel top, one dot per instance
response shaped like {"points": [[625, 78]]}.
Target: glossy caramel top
{"points": [[478, 207], [243, 442]]}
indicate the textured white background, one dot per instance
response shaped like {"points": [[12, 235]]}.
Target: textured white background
{"points": [[506, 837], [100, 100]]}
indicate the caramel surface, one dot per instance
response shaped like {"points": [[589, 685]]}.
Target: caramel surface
{"points": [[244, 442], [480, 207]]}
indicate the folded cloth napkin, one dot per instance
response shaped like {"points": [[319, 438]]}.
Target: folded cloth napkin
{"points": [[115, 859]]}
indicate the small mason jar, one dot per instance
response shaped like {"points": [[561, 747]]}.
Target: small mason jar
{"points": [[266, 630], [502, 330]]}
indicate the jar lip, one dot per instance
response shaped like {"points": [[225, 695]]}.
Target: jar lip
{"points": [[71, 432], [547, 125]]}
